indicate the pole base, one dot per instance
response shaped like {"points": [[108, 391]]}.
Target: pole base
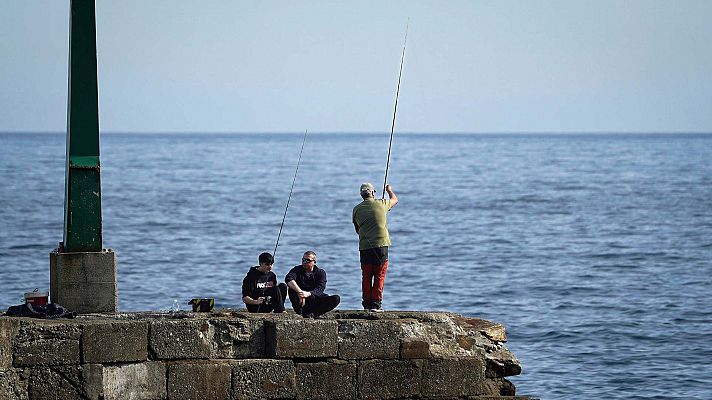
{"points": [[84, 282]]}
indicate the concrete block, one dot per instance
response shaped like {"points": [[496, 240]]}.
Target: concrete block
{"points": [[8, 330], [363, 339], [46, 343], [134, 381], [389, 379], [12, 385], [301, 338], [263, 379], [84, 282], [440, 374], [238, 338], [327, 380], [112, 342], [199, 381], [60, 383], [181, 339]]}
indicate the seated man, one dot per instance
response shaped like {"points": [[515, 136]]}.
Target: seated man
{"points": [[260, 291], [307, 283]]}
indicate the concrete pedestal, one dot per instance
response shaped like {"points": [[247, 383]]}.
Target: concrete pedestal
{"points": [[84, 282]]}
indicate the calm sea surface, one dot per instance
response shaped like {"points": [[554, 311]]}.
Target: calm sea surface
{"points": [[595, 251]]}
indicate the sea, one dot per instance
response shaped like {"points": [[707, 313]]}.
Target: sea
{"points": [[594, 250]]}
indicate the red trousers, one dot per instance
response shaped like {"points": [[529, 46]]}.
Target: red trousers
{"points": [[372, 279]]}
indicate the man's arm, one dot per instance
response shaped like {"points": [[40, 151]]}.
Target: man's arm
{"points": [[291, 276], [250, 300], [293, 285], [246, 290], [392, 196], [356, 226]]}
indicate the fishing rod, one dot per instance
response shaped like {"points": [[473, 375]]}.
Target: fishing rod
{"points": [[395, 109], [274, 254]]}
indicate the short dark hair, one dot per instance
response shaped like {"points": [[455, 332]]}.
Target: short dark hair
{"points": [[266, 258], [310, 253]]}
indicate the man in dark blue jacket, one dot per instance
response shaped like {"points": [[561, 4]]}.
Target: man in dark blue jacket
{"points": [[307, 283]]}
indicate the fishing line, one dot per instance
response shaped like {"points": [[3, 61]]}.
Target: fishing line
{"points": [[395, 109], [274, 254]]}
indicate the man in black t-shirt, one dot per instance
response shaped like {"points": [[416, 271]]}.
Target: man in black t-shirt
{"points": [[307, 283], [260, 291]]}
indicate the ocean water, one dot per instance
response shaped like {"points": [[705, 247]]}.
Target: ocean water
{"points": [[595, 251]]}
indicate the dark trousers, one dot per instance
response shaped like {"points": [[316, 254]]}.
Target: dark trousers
{"points": [[314, 305], [276, 302]]}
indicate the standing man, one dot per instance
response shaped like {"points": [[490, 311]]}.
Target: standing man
{"points": [[307, 283], [260, 291], [369, 218]]}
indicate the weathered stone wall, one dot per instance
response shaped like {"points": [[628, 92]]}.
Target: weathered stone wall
{"points": [[236, 355]]}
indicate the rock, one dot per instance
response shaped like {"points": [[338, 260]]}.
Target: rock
{"points": [[12, 385], [181, 339], [363, 339], [239, 338], [389, 379], [454, 377], [199, 380], [492, 330], [327, 380], [501, 362], [60, 382], [302, 338], [263, 379], [8, 330], [134, 381], [411, 348], [113, 342], [42, 342]]}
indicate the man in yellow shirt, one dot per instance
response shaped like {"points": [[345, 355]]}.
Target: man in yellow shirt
{"points": [[369, 218]]}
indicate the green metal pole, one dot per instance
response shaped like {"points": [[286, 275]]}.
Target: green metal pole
{"points": [[82, 198]]}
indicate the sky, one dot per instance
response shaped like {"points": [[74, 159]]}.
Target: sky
{"points": [[332, 66]]}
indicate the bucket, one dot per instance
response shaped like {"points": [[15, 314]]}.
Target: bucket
{"points": [[202, 305], [36, 298]]}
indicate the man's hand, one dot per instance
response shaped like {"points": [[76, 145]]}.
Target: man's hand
{"points": [[303, 294], [391, 195]]}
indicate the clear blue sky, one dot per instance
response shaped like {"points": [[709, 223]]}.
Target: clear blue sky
{"points": [[332, 66]]}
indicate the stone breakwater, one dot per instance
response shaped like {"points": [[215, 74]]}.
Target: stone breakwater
{"points": [[237, 355]]}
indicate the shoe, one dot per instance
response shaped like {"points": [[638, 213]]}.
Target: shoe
{"points": [[310, 315], [376, 310]]}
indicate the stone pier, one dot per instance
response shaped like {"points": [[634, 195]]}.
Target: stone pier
{"points": [[237, 355]]}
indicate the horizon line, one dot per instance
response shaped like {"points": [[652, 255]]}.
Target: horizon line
{"points": [[373, 132]]}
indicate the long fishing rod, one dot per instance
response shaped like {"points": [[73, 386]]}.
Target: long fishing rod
{"points": [[395, 109], [274, 254]]}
